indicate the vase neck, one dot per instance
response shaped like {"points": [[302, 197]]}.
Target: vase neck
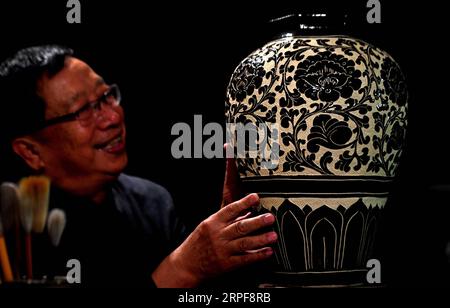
{"points": [[309, 24]]}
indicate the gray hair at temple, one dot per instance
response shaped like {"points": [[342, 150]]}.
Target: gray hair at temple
{"points": [[22, 110]]}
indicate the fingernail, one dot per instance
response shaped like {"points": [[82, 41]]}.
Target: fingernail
{"points": [[269, 218], [253, 198], [269, 252], [272, 236]]}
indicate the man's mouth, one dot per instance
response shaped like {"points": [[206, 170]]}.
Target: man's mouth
{"points": [[113, 146]]}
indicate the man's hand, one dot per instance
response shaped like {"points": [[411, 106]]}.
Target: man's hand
{"points": [[219, 244]]}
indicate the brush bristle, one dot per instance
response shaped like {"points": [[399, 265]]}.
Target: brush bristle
{"points": [[55, 225], [34, 195], [9, 205]]}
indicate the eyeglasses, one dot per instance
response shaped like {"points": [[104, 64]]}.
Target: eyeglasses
{"points": [[90, 111]]}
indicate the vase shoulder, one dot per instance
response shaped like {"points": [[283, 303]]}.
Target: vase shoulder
{"points": [[339, 106]]}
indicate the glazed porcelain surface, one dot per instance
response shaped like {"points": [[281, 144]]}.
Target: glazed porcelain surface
{"points": [[340, 108]]}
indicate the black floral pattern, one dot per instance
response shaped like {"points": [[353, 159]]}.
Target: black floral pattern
{"points": [[339, 97], [327, 76], [397, 138], [394, 82], [247, 77], [389, 145], [328, 132]]}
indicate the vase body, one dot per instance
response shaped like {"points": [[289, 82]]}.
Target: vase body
{"points": [[339, 106]]}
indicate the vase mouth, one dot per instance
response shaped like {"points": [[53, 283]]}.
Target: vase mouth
{"points": [[314, 23]]}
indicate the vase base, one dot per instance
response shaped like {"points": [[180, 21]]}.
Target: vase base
{"points": [[323, 279]]}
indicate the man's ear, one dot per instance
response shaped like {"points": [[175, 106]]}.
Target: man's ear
{"points": [[28, 149]]}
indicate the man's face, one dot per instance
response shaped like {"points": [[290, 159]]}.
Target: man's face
{"points": [[77, 150]]}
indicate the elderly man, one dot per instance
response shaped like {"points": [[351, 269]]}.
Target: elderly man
{"points": [[66, 122]]}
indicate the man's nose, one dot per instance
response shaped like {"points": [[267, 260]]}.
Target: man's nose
{"points": [[109, 116]]}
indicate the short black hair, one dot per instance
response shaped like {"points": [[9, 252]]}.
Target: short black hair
{"points": [[22, 109]]}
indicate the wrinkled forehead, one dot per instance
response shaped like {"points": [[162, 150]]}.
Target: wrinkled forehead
{"points": [[74, 82]]}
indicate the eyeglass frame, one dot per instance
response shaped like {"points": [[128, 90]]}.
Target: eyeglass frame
{"points": [[73, 116]]}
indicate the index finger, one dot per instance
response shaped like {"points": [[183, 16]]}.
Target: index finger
{"points": [[231, 189], [235, 209]]}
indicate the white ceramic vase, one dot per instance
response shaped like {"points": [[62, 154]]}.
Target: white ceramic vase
{"points": [[339, 105]]}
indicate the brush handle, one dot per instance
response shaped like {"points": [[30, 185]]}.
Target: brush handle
{"points": [[18, 252], [4, 260], [28, 256]]}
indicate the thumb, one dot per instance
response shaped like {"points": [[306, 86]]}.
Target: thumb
{"points": [[231, 190]]}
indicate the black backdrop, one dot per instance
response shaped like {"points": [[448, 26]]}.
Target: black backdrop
{"points": [[174, 60]]}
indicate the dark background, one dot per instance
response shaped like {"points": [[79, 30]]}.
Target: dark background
{"points": [[174, 60]]}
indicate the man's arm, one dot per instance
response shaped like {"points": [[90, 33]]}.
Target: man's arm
{"points": [[219, 244]]}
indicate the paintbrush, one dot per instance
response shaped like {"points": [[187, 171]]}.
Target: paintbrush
{"points": [[4, 259], [9, 209], [34, 196], [9, 205], [55, 225]]}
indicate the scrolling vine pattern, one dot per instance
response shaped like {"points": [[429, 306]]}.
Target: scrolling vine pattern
{"points": [[340, 102]]}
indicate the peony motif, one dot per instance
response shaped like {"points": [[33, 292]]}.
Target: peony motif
{"points": [[397, 138], [247, 77], [394, 82], [328, 132], [327, 77], [341, 105]]}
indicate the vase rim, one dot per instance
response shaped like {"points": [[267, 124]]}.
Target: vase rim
{"points": [[310, 23]]}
